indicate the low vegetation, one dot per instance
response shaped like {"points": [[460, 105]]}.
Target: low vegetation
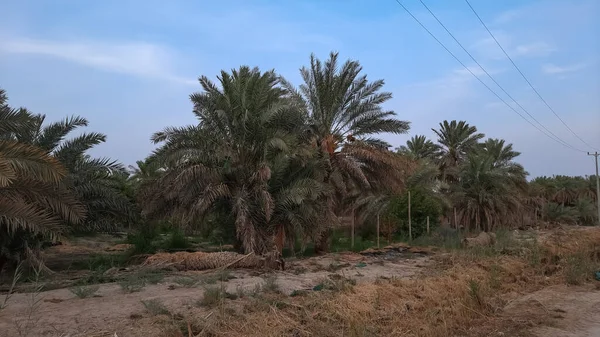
{"points": [[84, 291]]}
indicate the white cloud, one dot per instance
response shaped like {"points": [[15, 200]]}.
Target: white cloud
{"points": [[550, 68], [508, 16], [536, 49], [134, 58]]}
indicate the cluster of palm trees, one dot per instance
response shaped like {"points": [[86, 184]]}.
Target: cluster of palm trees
{"points": [[49, 185], [480, 186], [278, 162], [269, 163]]}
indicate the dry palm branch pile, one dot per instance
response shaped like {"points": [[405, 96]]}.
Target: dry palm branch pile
{"points": [[215, 260]]}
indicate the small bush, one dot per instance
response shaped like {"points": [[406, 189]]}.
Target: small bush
{"points": [[151, 276], [84, 291], [132, 284], [580, 268], [495, 282], [144, 242], [336, 282], [100, 262], [212, 296], [271, 285], [176, 241], [155, 307], [186, 282], [475, 292]]}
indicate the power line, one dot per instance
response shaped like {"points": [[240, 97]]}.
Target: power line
{"points": [[492, 78], [525, 77], [476, 77]]}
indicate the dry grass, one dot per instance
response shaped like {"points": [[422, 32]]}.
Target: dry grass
{"points": [[464, 297]]}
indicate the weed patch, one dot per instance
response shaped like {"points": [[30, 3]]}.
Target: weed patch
{"points": [[84, 291], [156, 307], [132, 284]]}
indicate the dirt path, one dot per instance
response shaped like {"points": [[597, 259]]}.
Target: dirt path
{"points": [[60, 313], [567, 311]]}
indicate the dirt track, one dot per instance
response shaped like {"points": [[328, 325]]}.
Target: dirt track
{"points": [[554, 311], [573, 311], [61, 313]]}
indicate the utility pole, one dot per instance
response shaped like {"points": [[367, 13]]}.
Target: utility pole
{"points": [[596, 154]]}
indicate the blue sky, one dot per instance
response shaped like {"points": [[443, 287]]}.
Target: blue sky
{"points": [[129, 66]]}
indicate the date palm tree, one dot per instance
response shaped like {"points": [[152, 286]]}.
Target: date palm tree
{"points": [[420, 147], [491, 189], [345, 114], [247, 153], [95, 181], [34, 200], [456, 140]]}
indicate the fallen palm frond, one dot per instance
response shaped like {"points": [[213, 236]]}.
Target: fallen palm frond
{"points": [[205, 261]]}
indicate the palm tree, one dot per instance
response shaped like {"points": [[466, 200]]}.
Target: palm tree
{"points": [[420, 147], [246, 154], [33, 198], [345, 112], [456, 140], [95, 181], [484, 194]]}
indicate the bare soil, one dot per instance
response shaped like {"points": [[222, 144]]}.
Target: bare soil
{"points": [[569, 311], [111, 310], [395, 285]]}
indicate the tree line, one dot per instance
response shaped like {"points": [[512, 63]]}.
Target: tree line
{"points": [[268, 164]]}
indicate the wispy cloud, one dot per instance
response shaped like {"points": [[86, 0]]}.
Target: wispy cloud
{"points": [[508, 16], [487, 47], [134, 58], [550, 68], [536, 49]]}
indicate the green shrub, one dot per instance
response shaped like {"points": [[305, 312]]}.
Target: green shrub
{"points": [[422, 206], [84, 291], [144, 241], [212, 296], [132, 284], [155, 307], [176, 240]]}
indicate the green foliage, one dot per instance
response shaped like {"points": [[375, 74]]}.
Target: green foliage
{"points": [[100, 262], [177, 240], [341, 242], [212, 297], [422, 206], [187, 282], [580, 267], [132, 283], [156, 307], [144, 241], [84, 291]]}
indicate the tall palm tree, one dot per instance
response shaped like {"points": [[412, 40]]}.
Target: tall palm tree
{"points": [[420, 147], [245, 154], [95, 181], [33, 198], [456, 140], [344, 114]]}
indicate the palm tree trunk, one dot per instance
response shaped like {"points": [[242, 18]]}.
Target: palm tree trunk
{"points": [[322, 245], [279, 238], [3, 261]]}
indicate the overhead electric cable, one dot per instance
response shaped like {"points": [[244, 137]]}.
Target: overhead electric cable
{"points": [[525, 77], [481, 81]]}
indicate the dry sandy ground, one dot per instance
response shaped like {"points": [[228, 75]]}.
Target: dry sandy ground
{"points": [[573, 311], [61, 313], [566, 311]]}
